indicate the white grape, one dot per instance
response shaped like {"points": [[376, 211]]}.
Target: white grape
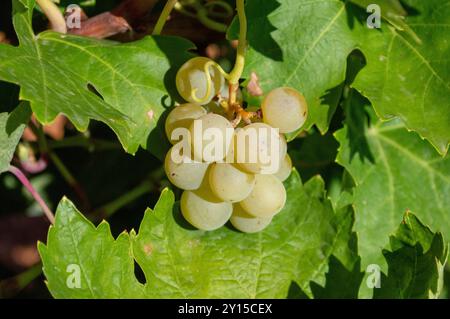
{"points": [[214, 147], [191, 78], [247, 223], [230, 183], [182, 116], [183, 172], [259, 148], [285, 169], [267, 198], [203, 210], [284, 108]]}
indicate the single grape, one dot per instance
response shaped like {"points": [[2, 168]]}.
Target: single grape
{"points": [[203, 210], [267, 197], [183, 172], [285, 169], [211, 137], [182, 116], [229, 183], [259, 148], [284, 108], [247, 223], [191, 78]]}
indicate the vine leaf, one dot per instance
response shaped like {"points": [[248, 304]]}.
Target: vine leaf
{"points": [[179, 262], [12, 126], [303, 44], [393, 12], [415, 263], [394, 171], [118, 84], [342, 281], [409, 80]]}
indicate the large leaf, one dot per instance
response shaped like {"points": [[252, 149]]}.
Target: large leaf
{"points": [[410, 80], [179, 262], [122, 85], [343, 279], [11, 129], [394, 170], [416, 262], [303, 44]]}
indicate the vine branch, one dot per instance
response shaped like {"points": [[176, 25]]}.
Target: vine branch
{"points": [[163, 17], [53, 15], [238, 68], [26, 183]]}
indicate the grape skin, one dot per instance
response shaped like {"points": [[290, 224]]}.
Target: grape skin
{"points": [[285, 169], [203, 210], [192, 76], [182, 117], [187, 176], [199, 143], [230, 183], [244, 152], [267, 197], [247, 223], [284, 108]]}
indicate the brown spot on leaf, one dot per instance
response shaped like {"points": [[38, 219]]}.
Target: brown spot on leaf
{"points": [[148, 249]]}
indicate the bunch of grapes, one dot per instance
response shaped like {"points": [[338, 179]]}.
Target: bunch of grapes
{"points": [[217, 190]]}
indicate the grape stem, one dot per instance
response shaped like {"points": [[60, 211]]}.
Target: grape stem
{"points": [[203, 13], [221, 4], [53, 15], [238, 68], [170, 4], [232, 107], [26, 183]]}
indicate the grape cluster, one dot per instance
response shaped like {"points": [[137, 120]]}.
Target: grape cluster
{"points": [[217, 190]]}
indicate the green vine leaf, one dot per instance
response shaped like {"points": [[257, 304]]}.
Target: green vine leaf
{"points": [[394, 171], [122, 85], [415, 263], [409, 80], [342, 281], [303, 44], [12, 126], [393, 12], [179, 262]]}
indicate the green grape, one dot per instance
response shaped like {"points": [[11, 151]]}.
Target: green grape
{"points": [[284, 108], [247, 223], [229, 183], [267, 197], [285, 169], [260, 154], [182, 116], [191, 77], [183, 172], [203, 210], [215, 147]]}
